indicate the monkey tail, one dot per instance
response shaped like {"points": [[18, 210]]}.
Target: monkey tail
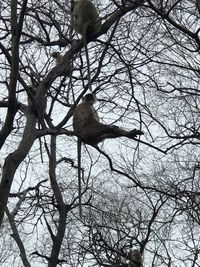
{"points": [[79, 176], [84, 34]]}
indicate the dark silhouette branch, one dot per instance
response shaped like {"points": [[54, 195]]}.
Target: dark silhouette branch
{"points": [[16, 30]]}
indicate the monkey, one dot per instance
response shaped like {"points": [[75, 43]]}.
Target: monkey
{"points": [[58, 58], [38, 108], [90, 130], [135, 258], [86, 21]]}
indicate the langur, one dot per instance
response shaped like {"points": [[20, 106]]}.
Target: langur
{"points": [[38, 107], [58, 58], [86, 21], [135, 258], [90, 130]]}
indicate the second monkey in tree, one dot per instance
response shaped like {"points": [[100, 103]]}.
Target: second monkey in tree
{"points": [[90, 130], [86, 21]]}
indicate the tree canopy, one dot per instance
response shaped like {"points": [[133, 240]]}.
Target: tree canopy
{"points": [[141, 193]]}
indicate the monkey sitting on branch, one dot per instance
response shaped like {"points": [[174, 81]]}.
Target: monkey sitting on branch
{"points": [[58, 58], [86, 21], [90, 130]]}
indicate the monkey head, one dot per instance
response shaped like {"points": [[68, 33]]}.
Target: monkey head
{"points": [[73, 2], [89, 99], [55, 54]]}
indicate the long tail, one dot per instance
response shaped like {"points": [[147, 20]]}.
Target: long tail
{"points": [[84, 33], [79, 175]]}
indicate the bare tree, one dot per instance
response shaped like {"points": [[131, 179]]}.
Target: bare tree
{"points": [[136, 194]]}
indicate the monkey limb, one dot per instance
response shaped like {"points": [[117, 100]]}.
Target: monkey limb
{"points": [[90, 130], [98, 132]]}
